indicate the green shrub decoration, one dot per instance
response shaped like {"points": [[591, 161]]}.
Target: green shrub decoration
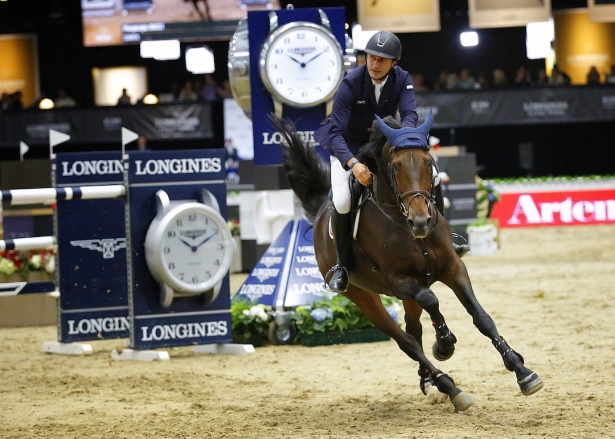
{"points": [[249, 318], [338, 313]]}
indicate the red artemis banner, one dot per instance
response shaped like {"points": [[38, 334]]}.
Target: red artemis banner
{"points": [[532, 209]]}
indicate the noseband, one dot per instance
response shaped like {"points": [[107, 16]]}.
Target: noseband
{"points": [[399, 197]]}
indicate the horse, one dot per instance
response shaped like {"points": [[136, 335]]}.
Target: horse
{"points": [[402, 246]]}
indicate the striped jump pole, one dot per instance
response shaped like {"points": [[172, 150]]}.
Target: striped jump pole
{"points": [[49, 195], [39, 242]]}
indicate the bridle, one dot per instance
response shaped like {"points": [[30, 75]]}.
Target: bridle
{"points": [[428, 196]]}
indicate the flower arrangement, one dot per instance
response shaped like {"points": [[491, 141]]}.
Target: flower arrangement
{"points": [[338, 313], [486, 197], [249, 319], [234, 227], [24, 262]]}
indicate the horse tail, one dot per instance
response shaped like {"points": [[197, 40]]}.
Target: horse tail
{"points": [[308, 174]]}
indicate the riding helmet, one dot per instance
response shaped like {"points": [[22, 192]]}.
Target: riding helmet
{"points": [[384, 44]]}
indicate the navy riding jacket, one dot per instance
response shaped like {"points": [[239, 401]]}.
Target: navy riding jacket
{"points": [[354, 107]]}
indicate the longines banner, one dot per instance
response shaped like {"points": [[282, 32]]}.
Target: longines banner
{"points": [[518, 107], [104, 124], [451, 110]]}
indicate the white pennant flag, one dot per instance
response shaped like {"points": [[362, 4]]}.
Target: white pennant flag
{"points": [[23, 148]]}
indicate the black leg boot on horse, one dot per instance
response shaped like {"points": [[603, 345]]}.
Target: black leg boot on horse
{"points": [[462, 249], [340, 223]]}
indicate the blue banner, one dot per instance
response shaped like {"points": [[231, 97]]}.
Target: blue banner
{"points": [[183, 175], [287, 275], [91, 238], [306, 120]]}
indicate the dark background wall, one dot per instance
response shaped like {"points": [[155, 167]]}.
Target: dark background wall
{"points": [[65, 63]]}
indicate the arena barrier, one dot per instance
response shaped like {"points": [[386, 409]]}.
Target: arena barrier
{"points": [[106, 289]]}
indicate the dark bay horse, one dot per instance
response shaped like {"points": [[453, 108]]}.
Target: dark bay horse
{"points": [[403, 245]]}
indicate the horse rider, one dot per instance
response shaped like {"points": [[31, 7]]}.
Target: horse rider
{"points": [[379, 87]]}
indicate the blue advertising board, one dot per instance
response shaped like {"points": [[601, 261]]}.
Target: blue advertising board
{"points": [[306, 120], [91, 274], [188, 320], [287, 274]]}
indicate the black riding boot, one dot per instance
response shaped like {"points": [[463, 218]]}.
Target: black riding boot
{"points": [[340, 223], [462, 249]]}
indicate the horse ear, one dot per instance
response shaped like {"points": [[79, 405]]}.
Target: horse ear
{"points": [[388, 132], [426, 126]]}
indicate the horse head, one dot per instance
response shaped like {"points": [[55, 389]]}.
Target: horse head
{"points": [[409, 165]]}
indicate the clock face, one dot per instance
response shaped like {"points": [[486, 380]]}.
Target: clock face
{"points": [[301, 64], [191, 250]]}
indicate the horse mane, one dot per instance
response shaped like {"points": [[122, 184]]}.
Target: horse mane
{"points": [[371, 151]]}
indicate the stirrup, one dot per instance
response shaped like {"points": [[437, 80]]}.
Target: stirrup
{"points": [[461, 249], [340, 278]]}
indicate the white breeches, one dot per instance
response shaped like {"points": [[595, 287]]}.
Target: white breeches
{"points": [[339, 186]]}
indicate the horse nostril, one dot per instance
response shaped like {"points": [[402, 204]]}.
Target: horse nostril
{"points": [[428, 222], [410, 223]]}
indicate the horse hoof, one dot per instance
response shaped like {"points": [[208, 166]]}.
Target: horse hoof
{"points": [[530, 384], [462, 402], [439, 355]]}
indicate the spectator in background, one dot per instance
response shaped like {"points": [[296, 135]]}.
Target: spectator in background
{"points": [[610, 77], [522, 77], [5, 102], [187, 94], [17, 104], [124, 98], [197, 86], [62, 100], [482, 82], [558, 77], [541, 79], [499, 78], [442, 80], [593, 77], [225, 91], [172, 95], [419, 82], [465, 81], [209, 92], [142, 143], [451, 81]]}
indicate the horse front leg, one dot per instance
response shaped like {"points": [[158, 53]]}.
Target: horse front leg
{"points": [[371, 305], [415, 299], [457, 279]]}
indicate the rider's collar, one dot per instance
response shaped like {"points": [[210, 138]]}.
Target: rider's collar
{"points": [[407, 137]]}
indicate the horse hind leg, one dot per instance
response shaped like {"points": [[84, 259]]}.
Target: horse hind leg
{"points": [[412, 317], [371, 305]]}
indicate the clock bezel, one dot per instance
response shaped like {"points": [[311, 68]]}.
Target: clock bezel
{"points": [[278, 33], [154, 249]]}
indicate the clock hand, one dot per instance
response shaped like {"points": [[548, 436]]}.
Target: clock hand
{"points": [[206, 239], [315, 56], [296, 60], [192, 247]]}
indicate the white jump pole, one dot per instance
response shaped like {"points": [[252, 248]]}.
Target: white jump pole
{"points": [[49, 195]]}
